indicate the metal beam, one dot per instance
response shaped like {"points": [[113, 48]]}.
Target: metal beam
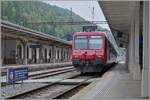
{"points": [[68, 22]]}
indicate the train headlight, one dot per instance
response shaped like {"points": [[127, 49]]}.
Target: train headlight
{"points": [[98, 56], [76, 56]]}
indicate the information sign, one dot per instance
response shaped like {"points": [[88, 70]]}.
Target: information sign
{"points": [[17, 74]]}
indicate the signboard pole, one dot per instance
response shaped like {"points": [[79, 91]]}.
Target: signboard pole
{"points": [[22, 82], [14, 84]]}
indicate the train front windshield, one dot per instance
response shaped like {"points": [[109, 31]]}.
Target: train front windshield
{"points": [[95, 42], [81, 42], [91, 42]]}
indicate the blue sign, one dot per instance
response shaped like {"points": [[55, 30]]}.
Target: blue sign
{"points": [[35, 46], [17, 74]]}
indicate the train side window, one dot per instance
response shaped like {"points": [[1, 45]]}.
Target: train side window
{"points": [[119, 34], [95, 42], [121, 45], [81, 42]]}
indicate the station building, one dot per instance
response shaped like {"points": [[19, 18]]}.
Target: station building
{"points": [[21, 45]]}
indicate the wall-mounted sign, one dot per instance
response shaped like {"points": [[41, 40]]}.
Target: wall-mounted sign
{"points": [[35, 46]]}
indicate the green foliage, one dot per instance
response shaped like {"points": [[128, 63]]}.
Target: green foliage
{"points": [[25, 12]]}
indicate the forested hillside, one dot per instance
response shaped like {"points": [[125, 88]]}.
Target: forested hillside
{"points": [[25, 12]]}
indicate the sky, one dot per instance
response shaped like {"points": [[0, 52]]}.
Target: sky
{"points": [[83, 9]]}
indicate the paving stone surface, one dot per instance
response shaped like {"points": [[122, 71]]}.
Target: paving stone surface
{"points": [[116, 84], [10, 90]]}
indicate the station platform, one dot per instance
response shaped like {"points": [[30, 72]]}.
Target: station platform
{"points": [[116, 84], [36, 67], [4, 80]]}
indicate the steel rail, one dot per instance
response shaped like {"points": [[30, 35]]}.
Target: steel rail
{"points": [[53, 73], [47, 73], [38, 88], [74, 87]]}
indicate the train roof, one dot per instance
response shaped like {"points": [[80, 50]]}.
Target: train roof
{"points": [[89, 33]]}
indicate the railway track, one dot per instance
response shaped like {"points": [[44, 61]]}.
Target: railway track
{"points": [[51, 73], [74, 89], [52, 90], [47, 73], [55, 90], [35, 90]]}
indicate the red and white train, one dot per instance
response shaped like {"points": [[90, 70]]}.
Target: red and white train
{"points": [[92, 51]]}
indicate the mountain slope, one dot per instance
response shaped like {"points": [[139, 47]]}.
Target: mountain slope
{"points": [[24, 12]]}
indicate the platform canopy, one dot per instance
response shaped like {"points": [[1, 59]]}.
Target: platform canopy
{"points": [[117, 14]]}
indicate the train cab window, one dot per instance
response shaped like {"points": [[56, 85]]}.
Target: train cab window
{"points": [[81, 42], [95, 42]]}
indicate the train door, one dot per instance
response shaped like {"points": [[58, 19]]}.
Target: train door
{"points": [[108, 51]]}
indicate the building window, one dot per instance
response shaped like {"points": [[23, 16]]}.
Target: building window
{"points": [[27, 52], [50, 54], [58, 53], [45, 53], [19, 49]]}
